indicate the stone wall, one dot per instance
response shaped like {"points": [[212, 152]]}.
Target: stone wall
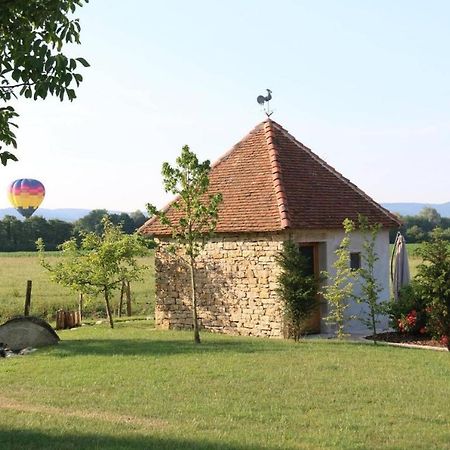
{"points": [[236, 283]]}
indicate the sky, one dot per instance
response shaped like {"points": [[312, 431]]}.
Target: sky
{"points": [[364, 84]]}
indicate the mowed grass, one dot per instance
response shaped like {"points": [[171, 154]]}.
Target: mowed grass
{"points": [[47, 296], [138, 388]]}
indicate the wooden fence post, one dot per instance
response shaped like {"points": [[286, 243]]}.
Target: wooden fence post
{"points": [[60, 319], [28, 299]]}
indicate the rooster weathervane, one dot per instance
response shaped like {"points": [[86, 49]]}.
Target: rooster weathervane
{"points": [[262, 100]]}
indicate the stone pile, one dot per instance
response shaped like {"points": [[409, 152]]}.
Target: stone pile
{"points": [[6, 352]]}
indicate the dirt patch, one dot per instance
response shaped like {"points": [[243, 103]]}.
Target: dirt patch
{"points": [[402, 338], [133, 421]]}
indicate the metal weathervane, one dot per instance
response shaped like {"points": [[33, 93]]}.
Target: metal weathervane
{"points": [[264, 102]]}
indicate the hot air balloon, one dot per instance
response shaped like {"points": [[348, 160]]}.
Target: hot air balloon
{"points": [[26, 195]]}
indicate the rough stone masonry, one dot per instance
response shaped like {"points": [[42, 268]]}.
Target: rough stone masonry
{"points": [[236, 286]]}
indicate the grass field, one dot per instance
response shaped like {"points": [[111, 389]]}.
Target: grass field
{"points": [[17, 268], [47, 297], [414, 260], [137, 388]]}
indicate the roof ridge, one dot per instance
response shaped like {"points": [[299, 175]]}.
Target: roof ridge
{"points": [[335, 172], [277, 176]]}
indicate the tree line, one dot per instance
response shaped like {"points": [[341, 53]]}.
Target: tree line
{"points": [[21, 235], [419, 228]]}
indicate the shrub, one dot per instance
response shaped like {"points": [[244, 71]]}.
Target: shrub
{"points": [[433, 278], [297, 289], [408, 313]]}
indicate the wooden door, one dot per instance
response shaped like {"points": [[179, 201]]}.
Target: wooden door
{"points": [[311, 251]]}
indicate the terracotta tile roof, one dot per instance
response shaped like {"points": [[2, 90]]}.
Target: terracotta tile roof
{"points": [[271, 182]]}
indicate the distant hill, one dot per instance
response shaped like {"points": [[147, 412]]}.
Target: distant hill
{"points": [[412, 209], [66, 214]]}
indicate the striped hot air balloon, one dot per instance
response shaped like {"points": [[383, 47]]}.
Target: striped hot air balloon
{"points": [[26, 195]]}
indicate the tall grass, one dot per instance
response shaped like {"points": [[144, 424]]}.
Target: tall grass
{"points": [[48, 297], [413, 259]]}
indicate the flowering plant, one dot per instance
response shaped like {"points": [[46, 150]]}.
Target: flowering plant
{"points": [[409, 312]]}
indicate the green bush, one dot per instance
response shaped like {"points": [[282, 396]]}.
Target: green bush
{"points": [[297, 289], [408, 313], [433, 278]]}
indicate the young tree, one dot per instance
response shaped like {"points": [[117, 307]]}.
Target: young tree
{"points": [[297, 289], [340, 289], [370, 287], [32, 35], [433, 277], [196, 212], [99, 264]]}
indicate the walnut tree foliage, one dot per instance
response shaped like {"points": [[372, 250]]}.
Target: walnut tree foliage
{"points": [[32, 65], [99, 264], [195, 212]]}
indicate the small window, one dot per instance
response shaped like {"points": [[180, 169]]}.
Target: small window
{"points": [[355, 261]]}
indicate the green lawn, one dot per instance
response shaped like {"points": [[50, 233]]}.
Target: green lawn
{"points": [[47, 297], [137, 388]]}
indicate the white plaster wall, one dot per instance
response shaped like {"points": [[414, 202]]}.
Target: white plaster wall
{"points": [[329, 241], [381, 271]]}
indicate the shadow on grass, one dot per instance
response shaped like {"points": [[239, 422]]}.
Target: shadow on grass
{"points": [[24, 439], [154, 347]]}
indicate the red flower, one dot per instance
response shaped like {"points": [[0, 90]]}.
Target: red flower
{"points": [[423, 330], [444, 340], [411, 318]]}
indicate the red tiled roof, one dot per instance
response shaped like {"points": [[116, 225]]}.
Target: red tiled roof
{"points": [[270, 182]]}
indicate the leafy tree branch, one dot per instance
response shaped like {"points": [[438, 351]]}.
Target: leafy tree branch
{"points": [[32, 65]]}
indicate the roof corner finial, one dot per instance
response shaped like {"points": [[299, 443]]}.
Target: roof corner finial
{"points": [[261, 100]]}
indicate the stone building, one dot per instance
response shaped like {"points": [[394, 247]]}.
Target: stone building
{"points": [[273, 187]]}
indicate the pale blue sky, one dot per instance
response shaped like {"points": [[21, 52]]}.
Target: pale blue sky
{"points": [[364, 84]]}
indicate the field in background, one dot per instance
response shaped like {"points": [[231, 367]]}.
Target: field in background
{"points": [[48, 297], [414, 260]]}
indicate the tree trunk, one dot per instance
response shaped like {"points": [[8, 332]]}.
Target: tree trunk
{"points": [[374, 327], [80, 305], [194, 302], [128, 295], [122, 291], [108, 307]]}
